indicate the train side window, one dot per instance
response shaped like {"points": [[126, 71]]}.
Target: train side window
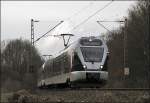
{"points": [[43, 70], [50, 69], [54, 66], [77, 65], [67, 64]]}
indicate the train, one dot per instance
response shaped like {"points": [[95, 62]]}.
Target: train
{"points": [[83, 60]]}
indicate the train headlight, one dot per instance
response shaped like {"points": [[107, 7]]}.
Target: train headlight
{"points": [[101, 66], [84, 66]]}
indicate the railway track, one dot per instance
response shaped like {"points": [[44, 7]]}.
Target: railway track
{"points": [[96, 89], [116, 88]]}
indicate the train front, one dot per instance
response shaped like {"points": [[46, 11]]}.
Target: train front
{"points": [[90, 60]]}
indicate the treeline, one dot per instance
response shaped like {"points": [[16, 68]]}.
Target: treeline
{"points": [[137, 49], [19, 62]]}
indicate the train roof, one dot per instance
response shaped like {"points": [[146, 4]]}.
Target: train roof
{"points": [[75, 44]]}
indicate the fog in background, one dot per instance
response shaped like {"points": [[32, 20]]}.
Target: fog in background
{"points": [[16, 20]]}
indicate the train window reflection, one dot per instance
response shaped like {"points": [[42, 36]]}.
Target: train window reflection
{"points": [[92, 54], [77, 65]]}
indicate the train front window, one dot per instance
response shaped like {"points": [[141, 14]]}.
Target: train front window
{"points": [[92, 54]]}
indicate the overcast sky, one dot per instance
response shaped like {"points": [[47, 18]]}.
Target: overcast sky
{"points": [[16, 19]]}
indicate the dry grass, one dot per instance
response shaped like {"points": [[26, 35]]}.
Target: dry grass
{"points": [[78, 96]]}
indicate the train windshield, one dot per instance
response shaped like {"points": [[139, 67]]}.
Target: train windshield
{"points": [[92, 54]]}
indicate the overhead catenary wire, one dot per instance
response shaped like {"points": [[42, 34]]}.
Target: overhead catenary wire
{"points": [[111, 21], [93, 15], [49, 31], [77, 25], [104, 27], [84, 8], [119, 21], [67, 19]]}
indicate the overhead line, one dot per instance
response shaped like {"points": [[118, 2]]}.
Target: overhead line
{"points": [[48, 31], [121, 21], [61, 22], [77, 25], [93, 15], [104, 27], [80, 11], [111, 21]]}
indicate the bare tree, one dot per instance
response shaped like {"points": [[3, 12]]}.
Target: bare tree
{"points": [[137, 45], [16, 62]]}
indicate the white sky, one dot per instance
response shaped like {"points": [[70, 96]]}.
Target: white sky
{"points": [[16, 16]]}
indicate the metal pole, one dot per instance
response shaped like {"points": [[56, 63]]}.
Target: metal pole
{"points": [[126, 66], [125, 45], [32, 32], [148, 52], [32, 43], [30, 59], [124, 48]]}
